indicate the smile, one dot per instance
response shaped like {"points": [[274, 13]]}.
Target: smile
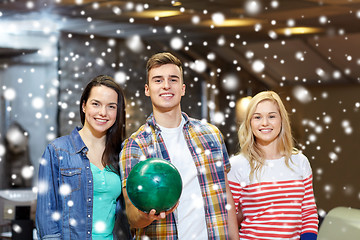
{"points": [[167, 95], [265, 130], [101, 120]]}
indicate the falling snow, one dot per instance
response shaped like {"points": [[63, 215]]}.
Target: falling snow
{"points": [[325, 123]]}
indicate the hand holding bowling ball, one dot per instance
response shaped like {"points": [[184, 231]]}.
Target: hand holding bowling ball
{"points": [[154, 184]]}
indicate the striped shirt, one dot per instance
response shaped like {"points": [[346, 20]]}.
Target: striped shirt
{"points": [[210, 156], [279, 206]]}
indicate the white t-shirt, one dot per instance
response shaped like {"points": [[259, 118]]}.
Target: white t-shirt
{"points": [[190, 213]]}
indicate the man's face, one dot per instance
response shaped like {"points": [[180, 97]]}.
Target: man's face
{"points": [[165, 87]]}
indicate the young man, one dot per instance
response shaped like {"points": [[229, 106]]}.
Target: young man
{"points": [[206, 208]]}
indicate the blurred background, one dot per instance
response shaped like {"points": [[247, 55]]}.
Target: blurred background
{"points": [[307, 51]]}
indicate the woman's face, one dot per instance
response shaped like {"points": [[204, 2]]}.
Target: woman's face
{"points": [[100, 109], [266, 122]]}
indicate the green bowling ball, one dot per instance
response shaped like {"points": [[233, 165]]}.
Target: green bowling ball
{"points": [[154, 184]]}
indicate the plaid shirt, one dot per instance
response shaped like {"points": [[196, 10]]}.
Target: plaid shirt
{"points": [[209, 153]]}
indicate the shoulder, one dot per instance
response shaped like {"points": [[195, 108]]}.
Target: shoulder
{"points": [[203, 126], [206, 132], [240, 169], [140, 137], [60, 147], [299, 158], [70, 142], [143, 131], [63, 142], [301, 162], [238, 161]]}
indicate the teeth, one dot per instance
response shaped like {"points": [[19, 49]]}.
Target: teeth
{"points": [[265, 130], [166, 95], [101, 120]]}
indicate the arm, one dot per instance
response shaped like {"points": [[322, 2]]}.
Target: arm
{"points": [[129, 157], [139, 219], [309, 213], [240, 217], [232, 218], [48, 209], [235, 190]]}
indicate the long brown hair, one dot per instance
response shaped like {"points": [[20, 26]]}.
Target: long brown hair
{"points": [[249, 147], [116, 133]]}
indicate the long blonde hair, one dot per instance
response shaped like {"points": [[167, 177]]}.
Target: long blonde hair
{"points": [[249, 147]]}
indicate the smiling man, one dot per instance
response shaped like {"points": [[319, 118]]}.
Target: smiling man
{"points": [[206, 208]]}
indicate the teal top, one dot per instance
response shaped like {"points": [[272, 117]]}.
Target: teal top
{"points": [[107, 188]]}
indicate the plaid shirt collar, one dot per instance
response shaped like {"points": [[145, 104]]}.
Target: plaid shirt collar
{"points": [[152, 122]]}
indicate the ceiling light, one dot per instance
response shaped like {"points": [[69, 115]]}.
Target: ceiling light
{"points": [[176, 3], [241, 106], [152, 14], [298, 30], [232, 22]]}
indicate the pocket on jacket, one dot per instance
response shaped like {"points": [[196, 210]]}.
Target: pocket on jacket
{"points": [[71, 177]]}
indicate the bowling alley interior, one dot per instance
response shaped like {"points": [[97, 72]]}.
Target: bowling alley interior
{"points": [[305, 50]]}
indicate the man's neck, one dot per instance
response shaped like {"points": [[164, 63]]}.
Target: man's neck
{"points": [[170, 119]]}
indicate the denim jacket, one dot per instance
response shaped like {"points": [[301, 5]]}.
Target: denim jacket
{"points": [[65, 192]]}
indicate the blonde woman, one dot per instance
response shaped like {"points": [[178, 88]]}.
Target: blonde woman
{"points": [[270, 180]]}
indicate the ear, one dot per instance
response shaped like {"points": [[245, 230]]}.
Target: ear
{"points": [[183, 89], [83, 107], [147, 93]]}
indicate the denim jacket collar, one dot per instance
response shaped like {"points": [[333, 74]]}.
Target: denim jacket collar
{"points": [[79, 145]]}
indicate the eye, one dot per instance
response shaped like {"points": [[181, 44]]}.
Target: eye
{"points": [[95, 104], [112, 106]]}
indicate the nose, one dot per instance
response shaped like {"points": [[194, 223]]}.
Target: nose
{"points": [[264, 121], [102, 111], [166, 84]]}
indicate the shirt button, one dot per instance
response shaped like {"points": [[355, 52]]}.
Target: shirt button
{"points": [[89, 216], [89, 181], [88, 232], [89, 199], [87, 167]]}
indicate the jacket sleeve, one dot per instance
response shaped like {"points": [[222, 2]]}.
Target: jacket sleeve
{"points": [[48, 209]]}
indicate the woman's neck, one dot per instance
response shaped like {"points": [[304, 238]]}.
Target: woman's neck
{"points": [[271, 151], [90, 138], [95, 146]]}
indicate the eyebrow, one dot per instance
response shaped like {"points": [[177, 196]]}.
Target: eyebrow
{"points": [[266, 113], [161, 76], [100, 102]]}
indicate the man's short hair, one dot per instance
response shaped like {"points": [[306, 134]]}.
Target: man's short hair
{"points": [[160, 59]]}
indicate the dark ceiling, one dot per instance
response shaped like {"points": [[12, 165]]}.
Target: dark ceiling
{"points": [[329, 56]]}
